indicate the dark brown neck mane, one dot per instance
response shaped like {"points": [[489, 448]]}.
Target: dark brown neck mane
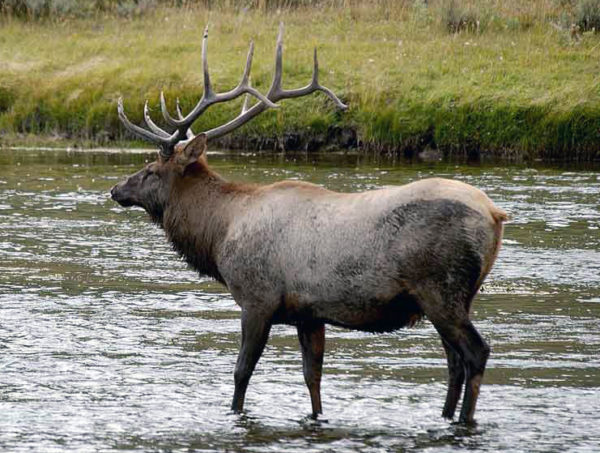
{"points": [[197, 216]]}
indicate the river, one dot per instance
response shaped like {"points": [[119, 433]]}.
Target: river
{"points": [[109, 343]]}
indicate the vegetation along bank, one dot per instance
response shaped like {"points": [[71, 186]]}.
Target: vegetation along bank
{"points": [[512, 79]]}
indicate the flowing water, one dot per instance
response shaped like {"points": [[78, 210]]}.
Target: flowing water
{"points": [[108, 342]]}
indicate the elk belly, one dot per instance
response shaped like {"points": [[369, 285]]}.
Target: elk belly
{"points": [[372, 315]]}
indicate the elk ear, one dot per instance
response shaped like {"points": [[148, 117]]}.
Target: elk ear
{"points": [[193, 150]]}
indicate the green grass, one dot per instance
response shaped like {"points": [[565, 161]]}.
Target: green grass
{"points": [[526, 90]]}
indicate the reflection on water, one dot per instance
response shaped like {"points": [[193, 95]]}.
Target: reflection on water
{"points": [[108, 342]]}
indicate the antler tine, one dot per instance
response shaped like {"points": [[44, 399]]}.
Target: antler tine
{"points": [[315, 77], [246, 76], [277, 93], [166, 143], [246, 99], [178, 108], [244, 86], [313, 86], [151, 125], [139, 131], [275, 89], [207, 88], [189, 133], [165, 111], [202, 104], [245, 104], [317, 86]]}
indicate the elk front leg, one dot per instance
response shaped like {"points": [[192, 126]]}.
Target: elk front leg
{"points": [[255, 332], [312, 344]]}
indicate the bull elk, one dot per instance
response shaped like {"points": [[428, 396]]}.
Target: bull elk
{"points": [[296, 253]]}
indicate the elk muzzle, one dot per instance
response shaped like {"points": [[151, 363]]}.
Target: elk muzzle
{"points": [[123, 194]]}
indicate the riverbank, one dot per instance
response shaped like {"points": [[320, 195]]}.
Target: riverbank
{"points": [[521, 90]]}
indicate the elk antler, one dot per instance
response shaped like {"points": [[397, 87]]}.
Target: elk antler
{"points": [[168, 141], [276, 93], [182, 125]]}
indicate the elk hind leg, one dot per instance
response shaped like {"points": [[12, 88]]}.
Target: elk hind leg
{"points": [[312, 344], [255, 333], [459, 334], [475, 352], [456, 379]]}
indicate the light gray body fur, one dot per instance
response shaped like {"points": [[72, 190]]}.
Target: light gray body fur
{"points": [[296, 253], [342, 257]]}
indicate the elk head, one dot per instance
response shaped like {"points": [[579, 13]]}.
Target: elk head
{"points": [[151, 187]]}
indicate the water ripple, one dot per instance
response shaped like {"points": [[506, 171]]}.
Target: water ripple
{"points": [[108, 342]]}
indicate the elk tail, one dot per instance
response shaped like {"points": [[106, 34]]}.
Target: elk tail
{"points": [[499, 215]]}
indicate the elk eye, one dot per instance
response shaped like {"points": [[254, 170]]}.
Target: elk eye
{"points": [[147, 174]]}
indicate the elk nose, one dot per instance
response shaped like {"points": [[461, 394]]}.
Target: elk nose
{"points": [[116, 193], [121, 195], [113, 193]]}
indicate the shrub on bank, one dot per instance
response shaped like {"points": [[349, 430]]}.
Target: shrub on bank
{"points": [[454, 15], [57, 9], [457, 18], [588, 15]]}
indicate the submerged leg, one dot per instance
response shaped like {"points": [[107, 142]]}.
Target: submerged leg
{"points": [[456, 379], [255, 332], [475, 354], [466, 346], [312, 344], [474, 351]]}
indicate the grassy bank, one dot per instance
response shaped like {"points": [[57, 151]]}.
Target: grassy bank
{"points": [[513, 81]]}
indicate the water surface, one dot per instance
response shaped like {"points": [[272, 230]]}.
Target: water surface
{"points": [[108, 342]]}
